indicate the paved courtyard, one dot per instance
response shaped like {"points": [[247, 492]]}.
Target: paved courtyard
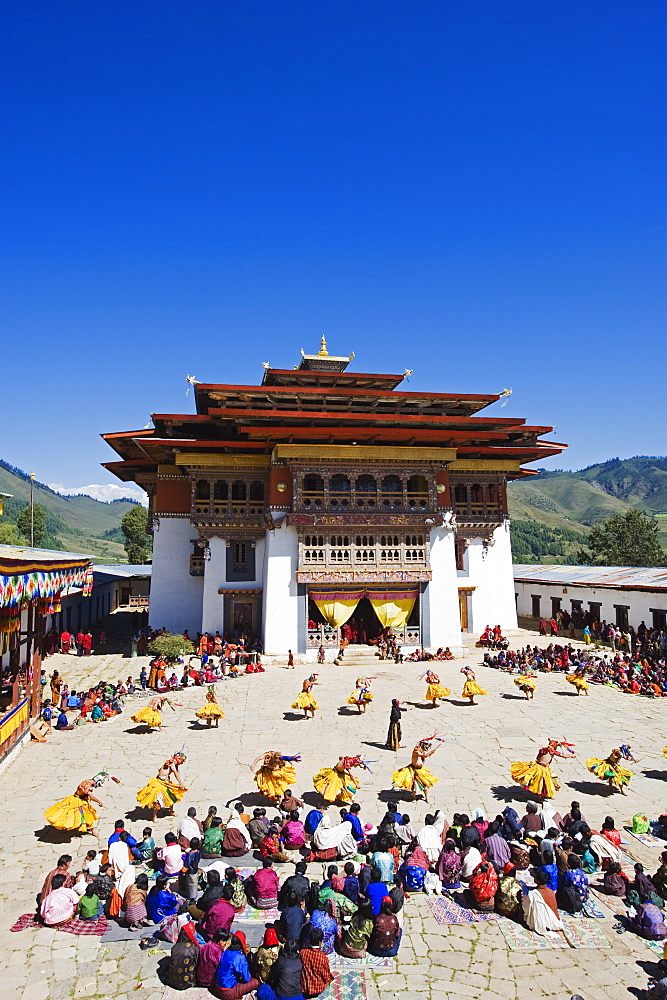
{"points": [[435, 961]]}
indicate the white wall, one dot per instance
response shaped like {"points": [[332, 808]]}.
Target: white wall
{"points": [[489, 570], [176, 597], [443, 599], [280, 605], [215, 577], [638, 601]]}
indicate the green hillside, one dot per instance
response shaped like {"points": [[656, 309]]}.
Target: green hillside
{"points": [[74, 524], [565, 502]]}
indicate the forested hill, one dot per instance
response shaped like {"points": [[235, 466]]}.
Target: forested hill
{"points": [[553, 505], [73, 524]]}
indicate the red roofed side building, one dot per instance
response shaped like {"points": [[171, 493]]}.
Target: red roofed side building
{"points": [[327, 503]]}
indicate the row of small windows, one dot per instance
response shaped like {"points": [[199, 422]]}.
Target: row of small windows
{"points": [[475, 493], [361, 541], [339, 483], [221, 491]]}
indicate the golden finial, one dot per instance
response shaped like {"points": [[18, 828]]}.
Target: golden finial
{"points": [[323, 353]]}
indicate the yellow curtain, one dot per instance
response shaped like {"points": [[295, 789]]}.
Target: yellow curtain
{"points": [[393, 612], [337, 608]]}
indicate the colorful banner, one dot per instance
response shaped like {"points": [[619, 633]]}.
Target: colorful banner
{"points": [[13, 721], [18, 588]]}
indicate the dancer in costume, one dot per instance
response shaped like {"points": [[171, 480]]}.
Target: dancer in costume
{"points": [[414, 777], [610, 770], [276, 773], [361, 696], [337, 783], [306, 702], [471, 687], [165, 788], [395, 734], [211, 709], [75, 812], [536, 775], [527, 684], [150, 715], [434, 689], [577, 678]]}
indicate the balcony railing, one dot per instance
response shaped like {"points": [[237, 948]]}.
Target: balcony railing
{"points": [[368, 555], [329, 637]]}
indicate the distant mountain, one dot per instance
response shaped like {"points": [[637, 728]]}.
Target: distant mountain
{"points": [[105, 492], [574, 501], [74, 524]]}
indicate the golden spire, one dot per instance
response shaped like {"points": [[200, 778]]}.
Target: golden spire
{"points": [[323, 353]]}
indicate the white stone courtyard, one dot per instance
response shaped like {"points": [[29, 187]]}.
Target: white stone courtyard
{"points": [[435, 961]]}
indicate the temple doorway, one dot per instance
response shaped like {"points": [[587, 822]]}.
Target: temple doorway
{"points": [[364, 626]]}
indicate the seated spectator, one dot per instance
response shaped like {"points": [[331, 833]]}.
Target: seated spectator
{"points": [[262, 887], [289, 803], [470, 858], [315, 972], [145, 849], [265, 957], [210, 815], [448, 868], [573, 893], [188, 879], [386, 935], [550, 870], [496, 847], [376, 890], [189, 827], [292, 917], [258, 827], [232, 979], [354, 941], [63, 722], [170, 856], [642, 890], [134, 902], [236, 841], [292, 832], [562, 853], [285, 976], [60, 903], [312, 821], [531, 823], [212, 893], [161, 902], [323, 921], [239, 898], [351, 883], [351, 816], [91, 864], [660, 878], [483, 886], [610, 832], [183, 959], [296, 883], [271, 846], [220, 914], [649, 922], [615, 880], [540, 909], [90, 905], [213, 838], [413, 870], [509, 895]]}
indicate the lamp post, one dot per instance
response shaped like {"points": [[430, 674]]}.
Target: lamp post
{"points": [[32, 511]]}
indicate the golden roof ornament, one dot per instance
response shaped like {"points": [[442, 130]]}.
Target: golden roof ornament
{"points": [[323, 353]]}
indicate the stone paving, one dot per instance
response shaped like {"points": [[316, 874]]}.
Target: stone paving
{"points": [[473, 767]]}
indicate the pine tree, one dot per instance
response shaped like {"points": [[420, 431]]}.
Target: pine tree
{"points": [[38, 522]]}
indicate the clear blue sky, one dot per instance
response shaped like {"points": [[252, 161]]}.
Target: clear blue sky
{"points": [[473, 191]]}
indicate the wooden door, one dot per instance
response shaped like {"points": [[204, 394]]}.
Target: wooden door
{"points": [[463, 609]]}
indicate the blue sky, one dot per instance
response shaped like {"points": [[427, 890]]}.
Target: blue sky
{"points": [[472, 191]]}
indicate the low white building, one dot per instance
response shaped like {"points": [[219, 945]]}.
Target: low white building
{"points": [[620, 595]]}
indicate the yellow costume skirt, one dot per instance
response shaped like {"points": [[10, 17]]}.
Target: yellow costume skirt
{"points": [[411, 777], [579, 682], [359, 695], [471, 687], [525, 682], [149, 716], [160, 792], [604, 770], [273, 783], [211, 710], [534, 777], [72, 813], [333, 786], [664, 752], [305, 700], [436, 691]]}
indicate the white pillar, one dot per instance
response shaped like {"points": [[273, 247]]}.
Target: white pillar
{"points": [[215, 576], [442, 603], [176, 597], [490, 571], [280, 605]]}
